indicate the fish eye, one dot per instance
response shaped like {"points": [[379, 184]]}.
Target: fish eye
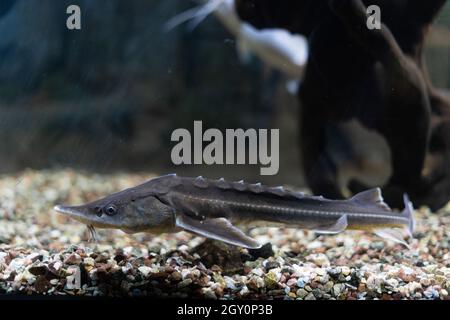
{"points": [[111, 210]]}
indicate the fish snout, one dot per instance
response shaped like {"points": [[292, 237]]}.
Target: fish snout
{"points": [[72, 212], [64, 209]]}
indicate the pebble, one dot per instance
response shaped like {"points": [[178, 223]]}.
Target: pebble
{"points": [[310, 296], [374, 282], [378, 245], [337, 289], [176, 276], [209, 293], [392, 283], [328, 286], [272, 265], [145, 270], [271, 280], [73, 259], [319, 259], [300, 283], [244, 291], [89, 261], [291, 282], [184, 283], [229, 283], [345, 270], [294, 264], [425, 282], [301, 293]]}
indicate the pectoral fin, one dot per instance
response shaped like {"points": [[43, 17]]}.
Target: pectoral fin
{"points": [[340, 225], [218, 229]]}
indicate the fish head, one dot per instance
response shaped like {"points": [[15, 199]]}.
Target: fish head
{"points": [[127, 211]]}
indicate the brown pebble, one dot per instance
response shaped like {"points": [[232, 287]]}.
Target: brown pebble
{"points": [[102, 275], [385, 296], [407, 277], [158, 275], [148, 262], [38, 270], [8, 259], [169, 269], [320, 250], [216, 268], [175, 276], [41, 284], [219, 292], [247, 269], [119, 258], [101, 258], [252, 285], [202, 281], [396, 296]]}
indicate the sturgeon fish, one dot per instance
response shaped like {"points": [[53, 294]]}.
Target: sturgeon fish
{"points": [[211, 208]]}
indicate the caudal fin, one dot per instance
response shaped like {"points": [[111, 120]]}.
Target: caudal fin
{"points": [[409, 213]]}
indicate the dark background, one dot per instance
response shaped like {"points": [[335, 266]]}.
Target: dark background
{"points": [[108, 97]]}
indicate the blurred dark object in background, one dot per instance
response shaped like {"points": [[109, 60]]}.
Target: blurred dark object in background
{"points": [[375, 77], [107, 97], [300, 17]]}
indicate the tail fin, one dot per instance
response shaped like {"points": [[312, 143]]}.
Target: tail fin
{"points": [[409, 213]]}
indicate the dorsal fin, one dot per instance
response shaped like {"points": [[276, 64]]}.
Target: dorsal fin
{"points": [[371, 197]]}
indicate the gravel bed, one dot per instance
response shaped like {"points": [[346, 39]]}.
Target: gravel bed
{"points": [[44, 253]]}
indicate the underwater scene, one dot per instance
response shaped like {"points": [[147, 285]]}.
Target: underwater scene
{"points": [[225, 150]]}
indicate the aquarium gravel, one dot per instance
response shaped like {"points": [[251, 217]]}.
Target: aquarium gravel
{"points": [[43, 253]]}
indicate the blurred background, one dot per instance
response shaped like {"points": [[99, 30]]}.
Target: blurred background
{"points": [[107, 97]]}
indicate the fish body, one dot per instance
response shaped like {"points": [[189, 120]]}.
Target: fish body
{"points": [[212, 208]]}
